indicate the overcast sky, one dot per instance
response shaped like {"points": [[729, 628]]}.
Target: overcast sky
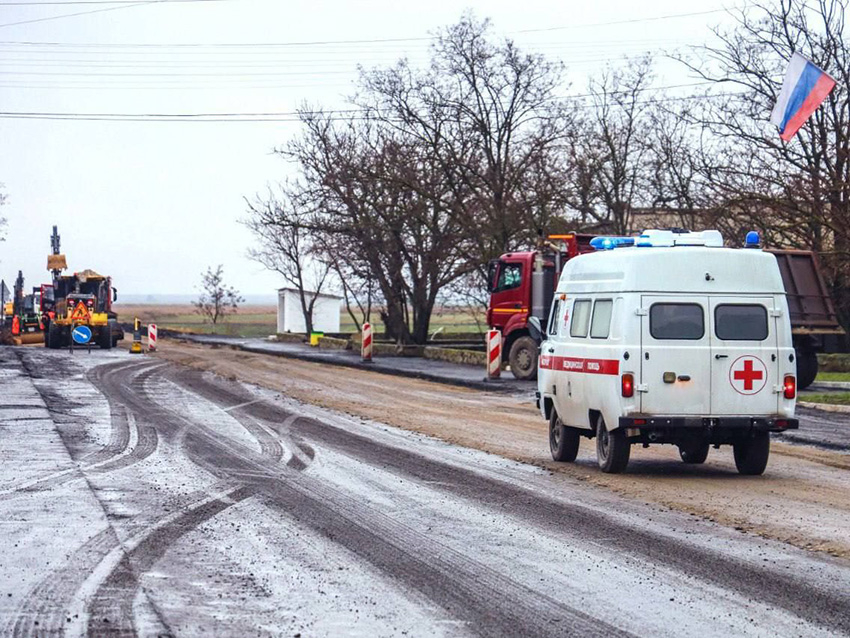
{"points": [[154, 203]]}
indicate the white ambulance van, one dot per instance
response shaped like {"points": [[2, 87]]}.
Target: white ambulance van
{"points": [[668, 338]]}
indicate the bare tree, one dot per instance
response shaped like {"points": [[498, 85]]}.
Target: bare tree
{"points": [[286, 245], [216, 300], [608, 153], [797, 192]]}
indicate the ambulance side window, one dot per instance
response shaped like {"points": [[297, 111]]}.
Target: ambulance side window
{"points": [[581, 318], [676, 321], [600, 326], [740, 322], [553, 318]]}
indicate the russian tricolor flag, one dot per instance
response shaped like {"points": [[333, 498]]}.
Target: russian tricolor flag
{"points": [[804, 88]]}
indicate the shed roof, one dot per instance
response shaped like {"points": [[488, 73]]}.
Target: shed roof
{"points": [[321, 294]]}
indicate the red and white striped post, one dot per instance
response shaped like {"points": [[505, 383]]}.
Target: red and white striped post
{"points": [[494, 354], [366, 344], [152, 337]]}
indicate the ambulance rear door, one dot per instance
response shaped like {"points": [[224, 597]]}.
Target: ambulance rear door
{"points": [[675, 358], [745, 353]]}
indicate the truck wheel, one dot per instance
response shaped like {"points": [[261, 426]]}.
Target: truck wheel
{"points": [[751, 454], [54, 336], [612, 448], [105, 341], [523, 358], [563, 440], [807, 368], [695, 452]]}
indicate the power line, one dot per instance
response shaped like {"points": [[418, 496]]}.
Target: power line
{"points": [[79, 13], [285, 116], [89, 2], [129, 4], [328, 42]]}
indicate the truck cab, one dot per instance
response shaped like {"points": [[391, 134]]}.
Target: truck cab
{"points": [[521, 285], [669, 339]]}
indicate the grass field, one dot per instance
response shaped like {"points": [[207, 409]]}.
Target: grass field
{"points": [[260, 321], [835, 398], [833, 376], [249, 321]]}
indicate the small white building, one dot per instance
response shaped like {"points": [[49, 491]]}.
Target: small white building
{"points": [[290, 317]]}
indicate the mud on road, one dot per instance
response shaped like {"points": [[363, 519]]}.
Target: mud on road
{"points": [[148, 496], [802, 499]]}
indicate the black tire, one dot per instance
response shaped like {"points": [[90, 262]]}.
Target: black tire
{"points": [[563, 440], [523, 358], [751, 454], [105, 340], [54, 336], [612, 448], [695, 452], [807, 368]]}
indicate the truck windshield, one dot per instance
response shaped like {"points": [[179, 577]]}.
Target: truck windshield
{"points": [[510, 276], [676, 321], [740, 322]]}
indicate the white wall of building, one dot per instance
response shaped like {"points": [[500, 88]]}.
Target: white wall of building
{"points": [[326, 312]]}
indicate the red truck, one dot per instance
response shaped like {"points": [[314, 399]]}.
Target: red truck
{"points": [[522, 285]]}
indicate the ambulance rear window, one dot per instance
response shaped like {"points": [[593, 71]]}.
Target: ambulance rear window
{"points": [[740, 322], [676, 321]]}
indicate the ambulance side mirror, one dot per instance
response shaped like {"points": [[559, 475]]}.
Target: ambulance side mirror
{"points": [[535, 329]]}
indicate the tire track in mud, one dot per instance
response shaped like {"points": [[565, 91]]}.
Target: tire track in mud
{"points": [[111, 609], [489, 602], [112, 606], [827, 608], [110, 457], [48, 610], [237, 403]]}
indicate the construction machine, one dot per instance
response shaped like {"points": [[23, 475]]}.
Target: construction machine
{"points": [[22, 316], [80, 299]]}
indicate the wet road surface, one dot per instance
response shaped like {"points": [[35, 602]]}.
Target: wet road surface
{"points": [[138, 497]]}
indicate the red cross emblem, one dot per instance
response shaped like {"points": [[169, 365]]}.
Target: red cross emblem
{"points": [[748, 375]]}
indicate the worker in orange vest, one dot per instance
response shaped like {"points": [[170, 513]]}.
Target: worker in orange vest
{"points": [[16, 325]]}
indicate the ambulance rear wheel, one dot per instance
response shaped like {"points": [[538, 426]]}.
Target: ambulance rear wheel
{"points": [[751, 454], [523, 358], [694, 452], [612, 448], [563, 440], [807, 368]]}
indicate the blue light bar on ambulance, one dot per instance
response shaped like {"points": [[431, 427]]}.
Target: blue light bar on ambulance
{"points": [[609, 243], [669, 238]]}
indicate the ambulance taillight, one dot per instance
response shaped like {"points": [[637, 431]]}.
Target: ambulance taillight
{"points": [[790, 387], [628, 385]]}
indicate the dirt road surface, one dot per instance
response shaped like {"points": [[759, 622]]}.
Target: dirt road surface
{"points": [[148, 496]]}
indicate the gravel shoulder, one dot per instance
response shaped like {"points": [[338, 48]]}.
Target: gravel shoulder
{"points": [[801, 499]]}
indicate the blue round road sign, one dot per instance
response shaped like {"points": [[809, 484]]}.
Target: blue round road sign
{"points": [[81, 334]]}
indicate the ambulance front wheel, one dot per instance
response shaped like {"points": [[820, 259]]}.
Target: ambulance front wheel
{"points": [[563, 440], [751, 454], [523, 358], [612, 448]]}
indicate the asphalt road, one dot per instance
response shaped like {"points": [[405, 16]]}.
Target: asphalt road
{"points": [[142, 498]]}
